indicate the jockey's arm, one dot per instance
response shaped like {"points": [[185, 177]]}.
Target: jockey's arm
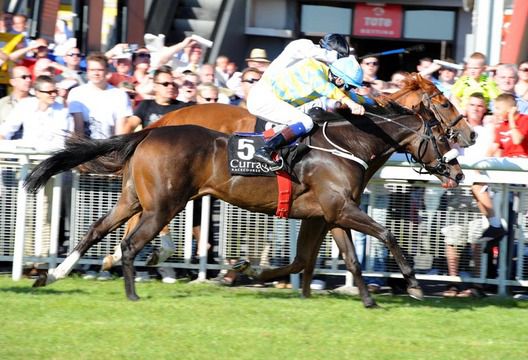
{"points": [[340, 96]]}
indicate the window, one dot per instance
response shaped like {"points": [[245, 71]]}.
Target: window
{"points": [[325, 19], [429, 24]]}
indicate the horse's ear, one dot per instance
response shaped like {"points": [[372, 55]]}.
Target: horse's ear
{"points": [[424, 111], [411, 81]]}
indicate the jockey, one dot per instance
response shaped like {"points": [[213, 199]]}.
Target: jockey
{"points": [[278, 97]]}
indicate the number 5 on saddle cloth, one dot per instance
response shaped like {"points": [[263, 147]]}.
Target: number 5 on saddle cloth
{"points": [[242, 146]]}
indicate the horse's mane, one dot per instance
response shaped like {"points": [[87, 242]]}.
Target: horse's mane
{"points": [[413, 82]]}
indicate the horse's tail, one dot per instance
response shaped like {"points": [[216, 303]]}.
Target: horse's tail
{"points": [[104, 156]]}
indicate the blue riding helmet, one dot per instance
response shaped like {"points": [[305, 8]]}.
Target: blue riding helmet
{"points": [[349, 70], [335, 42]]}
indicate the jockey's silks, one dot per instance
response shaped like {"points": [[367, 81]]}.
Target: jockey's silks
{"points": [[303, 82]]}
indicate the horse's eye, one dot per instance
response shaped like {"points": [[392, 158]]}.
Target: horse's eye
{"points": [[445, 104]]}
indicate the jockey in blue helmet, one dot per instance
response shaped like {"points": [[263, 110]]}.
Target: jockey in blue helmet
{"points": [[277, 98], [347, 71]]}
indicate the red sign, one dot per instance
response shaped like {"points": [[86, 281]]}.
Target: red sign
{"points": [[378, 20]]}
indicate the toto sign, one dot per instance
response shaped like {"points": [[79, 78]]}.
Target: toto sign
{"points": [[378, 21]]}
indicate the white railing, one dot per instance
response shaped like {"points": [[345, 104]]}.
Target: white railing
{"points": [[406, 207]]}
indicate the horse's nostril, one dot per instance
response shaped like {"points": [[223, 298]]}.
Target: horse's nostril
{"points": [[473, 135], [459, 177]]}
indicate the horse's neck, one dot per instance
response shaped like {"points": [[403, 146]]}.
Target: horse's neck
{"points": [[364, 140]]}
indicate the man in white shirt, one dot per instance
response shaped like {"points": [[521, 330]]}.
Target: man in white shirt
{"points": [[97, 106], [20, 80], [45, 121]]}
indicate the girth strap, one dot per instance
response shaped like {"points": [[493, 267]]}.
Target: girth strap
{"points": [[285, 189]]}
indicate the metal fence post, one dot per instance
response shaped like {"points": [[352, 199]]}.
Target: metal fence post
{"points": [[204, 236], [40, 219], [73, 211], [187, 249], [55, 220], [293, 232], [20, 230], [503, 247]]}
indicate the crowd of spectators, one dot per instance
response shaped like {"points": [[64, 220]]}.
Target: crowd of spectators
{"points": [[494, 100], [127, 88]]}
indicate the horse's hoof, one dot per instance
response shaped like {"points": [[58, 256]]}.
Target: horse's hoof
{"points": [[415, 293], [41, 280], [153, 258], [133, 297], [108, 262], [241, 266], [370, 304]]}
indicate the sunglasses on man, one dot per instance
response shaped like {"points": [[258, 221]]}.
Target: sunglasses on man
{"points": [[167, 83], [250, 80]]}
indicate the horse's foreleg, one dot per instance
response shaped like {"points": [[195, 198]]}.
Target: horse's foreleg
{"points": [[353, 218], [343, 239], [311, 234], [116, 217]]}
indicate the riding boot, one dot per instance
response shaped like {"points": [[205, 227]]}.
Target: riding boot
{"points": [[284, 137]]}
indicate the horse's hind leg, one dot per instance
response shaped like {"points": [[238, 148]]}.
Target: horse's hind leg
{"points": [[120, 213], [343, 239], [110, 260], [311, 234], [149, 225], [156, 257]]}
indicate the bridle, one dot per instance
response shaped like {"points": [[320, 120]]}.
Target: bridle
{"points": [[441, 162], [451, 133]]}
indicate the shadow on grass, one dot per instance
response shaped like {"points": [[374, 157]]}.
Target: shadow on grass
{"points": [[384, 301], [43, 291], [433, 302]]}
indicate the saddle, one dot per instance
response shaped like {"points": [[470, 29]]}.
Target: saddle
{"points": [[242, 146]]}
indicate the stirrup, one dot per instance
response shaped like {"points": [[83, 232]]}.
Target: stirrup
{"points": [[263, 156], [278, 165]]}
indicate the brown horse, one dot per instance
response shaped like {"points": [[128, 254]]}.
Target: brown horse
{"points": [[229, 119], [164, 168]]}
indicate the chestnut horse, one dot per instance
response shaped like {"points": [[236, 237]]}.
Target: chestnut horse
{"points": [[164, 168], [229, 119]]}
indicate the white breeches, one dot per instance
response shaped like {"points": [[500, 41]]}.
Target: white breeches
{"points": [[263, 103]]}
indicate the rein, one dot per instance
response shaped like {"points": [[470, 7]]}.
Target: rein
{"points": [[426, 138], [440, 167]]}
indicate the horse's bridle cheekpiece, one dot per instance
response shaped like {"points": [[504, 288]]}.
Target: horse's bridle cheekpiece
{"points": [[451, 133]]}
